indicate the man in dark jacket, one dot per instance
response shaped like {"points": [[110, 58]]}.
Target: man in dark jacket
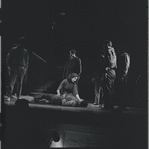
{"points": [[73, 65], [17, 63]]}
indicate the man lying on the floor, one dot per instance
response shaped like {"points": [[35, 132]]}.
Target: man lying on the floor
{"points": [[67, 94]]}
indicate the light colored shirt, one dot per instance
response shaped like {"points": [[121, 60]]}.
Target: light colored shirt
{"points": [[111, 59], [126, 59]]}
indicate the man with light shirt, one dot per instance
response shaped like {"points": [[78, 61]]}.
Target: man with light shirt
{"points": [[122, 77], [109, 74]]}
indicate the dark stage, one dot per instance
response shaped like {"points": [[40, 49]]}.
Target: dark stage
{"points": [[52, 28]]}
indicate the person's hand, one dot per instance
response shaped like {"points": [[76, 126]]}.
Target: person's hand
{"points": [[122, 79], [58, 94], [107, 68]]}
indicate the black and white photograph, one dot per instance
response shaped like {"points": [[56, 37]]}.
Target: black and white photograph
{"points": [[74, 73]]}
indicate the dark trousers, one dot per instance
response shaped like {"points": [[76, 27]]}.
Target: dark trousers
{"points": [[121, 91], [98, 89], [16, 75], [108, 88]]}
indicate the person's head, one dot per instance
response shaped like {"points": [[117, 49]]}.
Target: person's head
{"points": [[23, 103], [21, 41], [107, 44], [72, 53], [83, 103], [73, 77], [22, 106]]}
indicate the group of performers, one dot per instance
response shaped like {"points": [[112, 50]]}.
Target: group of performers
{"points": [[110, 79]]}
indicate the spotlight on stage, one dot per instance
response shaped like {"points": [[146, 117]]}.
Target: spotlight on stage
{"points": [[55, 137]]}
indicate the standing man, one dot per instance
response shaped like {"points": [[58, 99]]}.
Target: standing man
{"points": [[73, 65], [17, 63], [122, 76], [109, 74], [98, 79]]}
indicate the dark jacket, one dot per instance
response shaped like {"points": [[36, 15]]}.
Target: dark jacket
{"points": [[72, 66], [100, 68], [18, 56]]}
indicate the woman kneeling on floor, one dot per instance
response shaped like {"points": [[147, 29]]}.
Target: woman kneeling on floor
{"points": [[67, 94]]}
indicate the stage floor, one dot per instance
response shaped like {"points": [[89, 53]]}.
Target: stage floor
{"points": [[90, 108]]}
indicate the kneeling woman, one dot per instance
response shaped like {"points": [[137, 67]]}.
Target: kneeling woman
{"points": [[67, 94]]}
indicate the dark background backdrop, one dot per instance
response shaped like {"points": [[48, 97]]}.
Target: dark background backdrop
{"points": [[84, 26]]}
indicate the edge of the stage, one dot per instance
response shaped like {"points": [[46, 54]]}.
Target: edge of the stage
{"points": [[89, 109]]}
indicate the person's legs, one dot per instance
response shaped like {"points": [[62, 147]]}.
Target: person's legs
{"points": [[21, 71], [39, 97], [48, 98], [109, 89], [123, 93], [100, 95], [98, 91], [12, 80]]}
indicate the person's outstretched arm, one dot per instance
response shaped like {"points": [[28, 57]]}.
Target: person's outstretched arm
{"points": [[60, 87]]}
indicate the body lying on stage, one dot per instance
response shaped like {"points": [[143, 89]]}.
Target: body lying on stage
{"points": [[90, 108]]}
